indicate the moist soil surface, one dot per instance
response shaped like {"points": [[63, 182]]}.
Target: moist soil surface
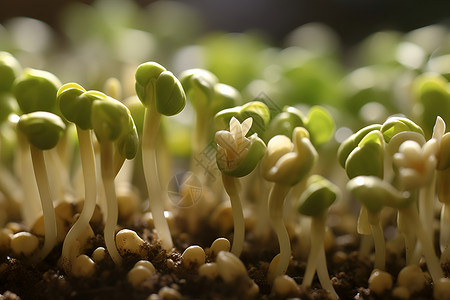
{"points": [[46, 280]]}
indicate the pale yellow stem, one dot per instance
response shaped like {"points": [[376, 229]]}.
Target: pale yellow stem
{"points": [[276, 204], [40, 172], [106, 153], [432, 261], [232, 188], [378, 238], [156, 197], [317, 240], [90, 194]]}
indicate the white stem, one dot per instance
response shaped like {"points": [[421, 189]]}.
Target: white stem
{"points": [[365, 246], [433, 263], [58, 172], [363, 228], [40, 172], [31, 207], [378, 238], [317, 240], [262, 221], [232, 188], [426, 207], [126, 172], [156, 198], [409, 237], [445, 227], [276, 204], [106, 152], [199, 144], [90, 193], [322, 273]]}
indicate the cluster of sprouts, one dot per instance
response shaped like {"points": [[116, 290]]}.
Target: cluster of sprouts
{"points": [[79, 149]]}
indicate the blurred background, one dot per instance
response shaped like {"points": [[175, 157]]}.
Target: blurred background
{"points": [[358, 58], [351, 19]]}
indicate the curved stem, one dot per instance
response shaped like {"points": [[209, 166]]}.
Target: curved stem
{"points": [[107, 170], [156, 198], [426, 207], [445, 227], [322, 273], [232, 188], [40, 172], [276, 203], [378, 238], [432, 261], [90, 194], [317, 241], [30, 207]]}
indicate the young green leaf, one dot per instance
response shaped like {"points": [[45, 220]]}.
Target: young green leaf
{"points": [[110, 119], [75, 104], [320, 193], [42, 129], [238, 155], [225, 96], [375, 193], [35, 90], [10, 69], [320, 125], [431, 91], [146, 76], [128, 143], [368, 157], [257, 110], [285, 122], [170, 96], [395, 125], [199, 86], [352, 142]]}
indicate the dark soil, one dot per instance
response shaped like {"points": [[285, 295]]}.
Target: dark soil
{"points": [[20, 280]]}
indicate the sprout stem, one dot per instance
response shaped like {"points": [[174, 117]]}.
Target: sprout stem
{"points": [[40, 172], [107, 169], [363, 228], [202, 127], [445, 227], [317, 241], [378, 238], [58, 173], [409, 237], [30, 207], [411, 215], [365, 246], [262, 222], [322, 273], [232, 188], [276, 205], [426, 207], [150, 133], [90, 193]]}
